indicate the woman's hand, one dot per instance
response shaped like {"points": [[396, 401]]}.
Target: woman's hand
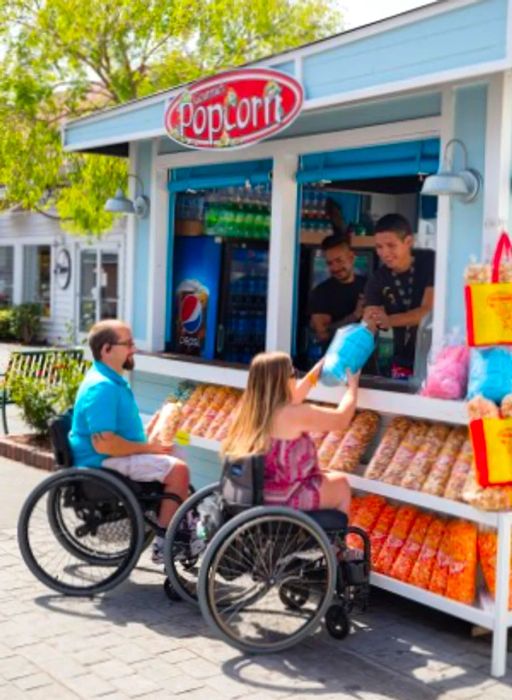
{"points": [[314, 373], [353, 380]]}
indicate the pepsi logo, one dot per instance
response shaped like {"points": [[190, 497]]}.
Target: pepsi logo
{"points": [[191, 313]]}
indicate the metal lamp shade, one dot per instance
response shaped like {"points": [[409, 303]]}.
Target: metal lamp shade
{"points": [[119, 204], [464, 184]]}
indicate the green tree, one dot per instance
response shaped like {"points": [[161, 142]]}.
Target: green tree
{"points": [[62, 59]]}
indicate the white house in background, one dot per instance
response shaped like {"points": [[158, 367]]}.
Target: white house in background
{"points": [[77, 280]]}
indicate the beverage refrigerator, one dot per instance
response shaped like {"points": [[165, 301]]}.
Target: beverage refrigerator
{"points": [[219, 296]]}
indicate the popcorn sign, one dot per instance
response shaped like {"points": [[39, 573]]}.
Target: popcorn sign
{"points": [[233, 109]]}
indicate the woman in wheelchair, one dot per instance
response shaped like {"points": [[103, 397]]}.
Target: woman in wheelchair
{"points": [[274, 420]]}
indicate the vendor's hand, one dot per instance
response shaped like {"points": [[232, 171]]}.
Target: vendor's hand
{"points": [[375, 315], [359, 310], [158, 448]]}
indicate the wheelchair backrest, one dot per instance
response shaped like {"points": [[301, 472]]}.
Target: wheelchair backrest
{"points": [[242, 483], [59, 431]]}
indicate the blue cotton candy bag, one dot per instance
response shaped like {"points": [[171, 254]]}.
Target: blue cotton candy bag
{"points": [[490, 373], [349, 349]]}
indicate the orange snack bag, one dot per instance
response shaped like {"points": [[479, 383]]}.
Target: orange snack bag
{"points": [[439, 577], [411, 550], [381, 529], [355, 504], [461, 584], [422, 569], [487, 552], [365, 517], [396, 539]]}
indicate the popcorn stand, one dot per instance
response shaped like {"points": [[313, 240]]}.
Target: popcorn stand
{"points": [[241, 170]]}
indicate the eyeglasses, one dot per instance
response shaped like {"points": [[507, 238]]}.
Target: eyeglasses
{"points": [[126, 343]]}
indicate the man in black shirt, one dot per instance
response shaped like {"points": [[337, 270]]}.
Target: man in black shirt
{"points": [[338, 300], [401, 292]]}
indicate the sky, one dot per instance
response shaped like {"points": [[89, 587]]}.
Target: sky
{"points": [[359, 12]]}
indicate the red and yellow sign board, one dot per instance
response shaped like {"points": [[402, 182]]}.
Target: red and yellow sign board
{"points": [[233, 109]]}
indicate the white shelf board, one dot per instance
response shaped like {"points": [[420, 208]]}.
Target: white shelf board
{"points": [[423, 500], [471, 613], [390, 402]]}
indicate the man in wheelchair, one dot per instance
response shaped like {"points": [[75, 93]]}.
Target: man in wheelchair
{"points": [[107, 429]]}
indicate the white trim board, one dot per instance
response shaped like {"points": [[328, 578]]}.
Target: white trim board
{"points": [[407, 130]]}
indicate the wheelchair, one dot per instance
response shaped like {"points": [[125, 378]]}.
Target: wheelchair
{"points": [[81, 531], [264, 577]]}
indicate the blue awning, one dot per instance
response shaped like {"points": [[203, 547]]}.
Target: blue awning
{"points": [[389, 160], [201, 177]]}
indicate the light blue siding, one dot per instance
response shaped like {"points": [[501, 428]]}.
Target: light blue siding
{"points": [[461, 37], [466, 219], [288, 67], [141, 268], [141, 119]]}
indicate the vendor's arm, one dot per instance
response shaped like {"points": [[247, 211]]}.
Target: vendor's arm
{"points": [[108, 443], [320, 323], [407, 318], [354, 317]]}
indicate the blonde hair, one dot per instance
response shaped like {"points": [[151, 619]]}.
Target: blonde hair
{"points": [[268, 388]]}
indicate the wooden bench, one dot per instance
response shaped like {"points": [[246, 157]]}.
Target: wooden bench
{"points": [[40, 364]]}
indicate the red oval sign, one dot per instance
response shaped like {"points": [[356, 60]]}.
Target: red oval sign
{"points": [[233, 109]]}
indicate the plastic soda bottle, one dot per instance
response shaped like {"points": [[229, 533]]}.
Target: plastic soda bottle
{"points": [[349, 349]]}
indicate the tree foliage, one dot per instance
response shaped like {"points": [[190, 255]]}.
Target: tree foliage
{"points": [[62, 59]]}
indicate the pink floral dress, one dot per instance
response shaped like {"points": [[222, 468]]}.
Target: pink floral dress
{"points": [[292, 475]]}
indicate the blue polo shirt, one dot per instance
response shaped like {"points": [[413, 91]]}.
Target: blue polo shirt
{"points": [[104, 403]]}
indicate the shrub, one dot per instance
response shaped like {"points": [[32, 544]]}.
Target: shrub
{"points": [[6, 324], [43, 397], [26, 322]]}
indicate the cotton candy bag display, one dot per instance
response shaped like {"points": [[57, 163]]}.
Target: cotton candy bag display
{"points": [[350, 348], [447, 376], [490, 373]]}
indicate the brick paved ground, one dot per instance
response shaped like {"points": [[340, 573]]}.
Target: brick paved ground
{"points": [[132, 643]]}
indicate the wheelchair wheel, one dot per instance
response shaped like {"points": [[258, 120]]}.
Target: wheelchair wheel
{"points": [[247, 565], [183, 547], [80, 531]]}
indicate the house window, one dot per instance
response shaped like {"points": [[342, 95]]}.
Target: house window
{"points": [[6, 275], [37, 276], [99, 287]]}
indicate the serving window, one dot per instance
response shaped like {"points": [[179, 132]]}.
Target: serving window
{"points": [[342, 196]]}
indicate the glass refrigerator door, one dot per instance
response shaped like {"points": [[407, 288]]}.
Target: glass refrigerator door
{"points": [[244, 302], [196, 274]]}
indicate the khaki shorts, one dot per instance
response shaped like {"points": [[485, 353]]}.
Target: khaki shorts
{"points": [[144, 467]]}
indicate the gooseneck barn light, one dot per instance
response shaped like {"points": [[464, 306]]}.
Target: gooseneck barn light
{"points": [[464, 184], [119, 204]]}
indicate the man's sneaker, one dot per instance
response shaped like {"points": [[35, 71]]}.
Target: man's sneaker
{"points": [[157, 555]]}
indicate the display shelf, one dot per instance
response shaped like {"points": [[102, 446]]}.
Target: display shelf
{"points": [[362, 241], [387, 402], [471, 613], [423, 500]]}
